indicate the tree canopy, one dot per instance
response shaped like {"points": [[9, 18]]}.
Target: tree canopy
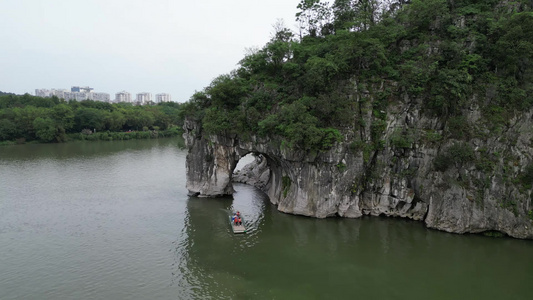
{"points": [[27, 118], [302, 86]]}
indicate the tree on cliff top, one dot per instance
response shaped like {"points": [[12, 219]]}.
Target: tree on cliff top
{"points": [[440, 51]]}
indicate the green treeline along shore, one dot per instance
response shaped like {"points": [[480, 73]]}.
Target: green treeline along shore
{"points": [[450, 54], [26, 118]]}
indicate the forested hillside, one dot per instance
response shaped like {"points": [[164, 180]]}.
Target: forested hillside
{"points": [[29, 118], [450, 54]]}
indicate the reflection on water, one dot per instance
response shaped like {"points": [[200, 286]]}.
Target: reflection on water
{"points": [[82, 150], [292, 257], [113, 221]]}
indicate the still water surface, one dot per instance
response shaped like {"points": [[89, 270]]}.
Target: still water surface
{"points": [[112, 220]]}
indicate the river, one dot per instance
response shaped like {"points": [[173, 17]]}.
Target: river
{"points": [[112, 220]]}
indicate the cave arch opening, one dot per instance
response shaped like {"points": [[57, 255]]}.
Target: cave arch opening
{"points": [[244, 160], [253, 168], [261, 170]]}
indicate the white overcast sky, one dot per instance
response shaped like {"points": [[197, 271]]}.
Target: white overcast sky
{"points": [[156, 46]]}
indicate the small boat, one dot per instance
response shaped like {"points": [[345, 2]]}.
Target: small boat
{"points": [[237, 228]]}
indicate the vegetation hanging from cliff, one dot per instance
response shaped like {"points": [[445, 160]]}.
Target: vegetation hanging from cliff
{"points": [[305, 87]]}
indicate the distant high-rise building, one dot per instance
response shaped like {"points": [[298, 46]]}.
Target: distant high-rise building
{"points": [[163, 97], [59, 93], [42, 93], [81, 89], [144, 98], [78, 96], [104, 97], [80, 93], [53, 92], [123, 97], [76, 93]]}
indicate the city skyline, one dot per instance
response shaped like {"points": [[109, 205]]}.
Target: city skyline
{"points": [[81, 93], [161, 45]]}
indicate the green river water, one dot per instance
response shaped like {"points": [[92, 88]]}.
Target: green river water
{"points": [[112, 220]]}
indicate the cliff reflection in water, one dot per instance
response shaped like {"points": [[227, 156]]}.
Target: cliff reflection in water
{"points": [[287, 256], [210, 258]]}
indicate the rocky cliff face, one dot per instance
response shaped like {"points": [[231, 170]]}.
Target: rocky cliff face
{"points": [[466, 185]]}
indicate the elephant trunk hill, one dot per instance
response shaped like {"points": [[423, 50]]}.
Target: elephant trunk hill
{"points": [[423, 111]]}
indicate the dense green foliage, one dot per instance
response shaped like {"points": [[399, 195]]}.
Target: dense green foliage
{"points": [[27, 118], [307, 88]]}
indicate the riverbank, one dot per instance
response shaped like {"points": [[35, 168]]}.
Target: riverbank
{"points": [[26, 118], [108, 136]]}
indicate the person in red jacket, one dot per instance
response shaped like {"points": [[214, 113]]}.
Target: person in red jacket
{"points": [[237, 218]]}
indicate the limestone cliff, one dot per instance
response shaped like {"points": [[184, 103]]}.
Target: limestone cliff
{"points": [[450, 184]]}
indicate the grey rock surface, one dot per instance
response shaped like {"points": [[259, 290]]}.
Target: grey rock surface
{"points": [[480, 195]]}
